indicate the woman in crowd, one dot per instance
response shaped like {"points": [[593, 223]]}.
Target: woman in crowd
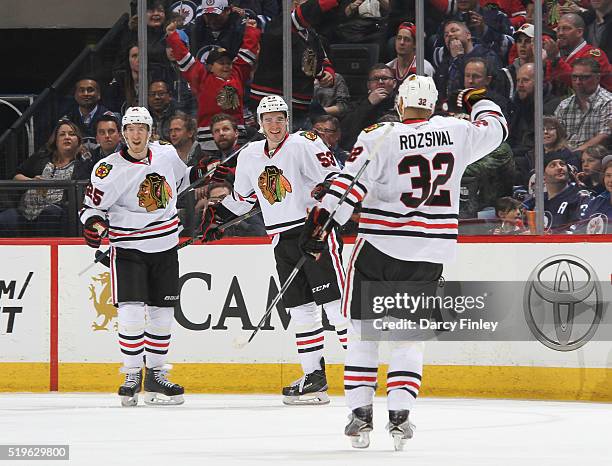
{"points": [[41, 209], [123, 89], [555, 142]]}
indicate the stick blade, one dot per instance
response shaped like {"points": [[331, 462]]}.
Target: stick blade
{"points": [[240, 342]]}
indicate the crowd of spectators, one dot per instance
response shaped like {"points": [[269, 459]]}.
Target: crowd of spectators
{"points": [[209, 68]]}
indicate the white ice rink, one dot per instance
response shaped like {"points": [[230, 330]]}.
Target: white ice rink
{"points": [[211, 430]]}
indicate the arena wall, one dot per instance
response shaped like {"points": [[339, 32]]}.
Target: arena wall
{"points": [[61, 14], [58, 331]]}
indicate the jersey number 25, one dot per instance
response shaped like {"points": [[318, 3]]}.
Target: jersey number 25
{"points": [[423, 182]]}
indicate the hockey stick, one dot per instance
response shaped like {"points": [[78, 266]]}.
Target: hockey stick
{"points": [[100, 256], [201, 180], [224, 226], [300, 263]]}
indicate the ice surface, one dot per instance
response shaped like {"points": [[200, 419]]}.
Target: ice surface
{"points": [[258, 430]]}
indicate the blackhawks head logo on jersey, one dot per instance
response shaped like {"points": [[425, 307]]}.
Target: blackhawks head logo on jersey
{"points": [[154, 192], [228, 98], [273, 185]]}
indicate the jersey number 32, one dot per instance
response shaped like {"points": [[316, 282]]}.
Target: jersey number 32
{"points": [[430, 194]]}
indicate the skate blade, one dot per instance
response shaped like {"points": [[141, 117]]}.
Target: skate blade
{"points": [[401, 437], [129, 401], [316, 398], [159, 399], [398, 442], [362, 440]]}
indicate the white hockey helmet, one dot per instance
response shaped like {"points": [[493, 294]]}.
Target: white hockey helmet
{"points": [[416, 92], [271, 103], [137, 115]]}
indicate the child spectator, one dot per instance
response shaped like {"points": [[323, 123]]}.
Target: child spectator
{"points": [[219, 86], [508, 211], [591, 176]]}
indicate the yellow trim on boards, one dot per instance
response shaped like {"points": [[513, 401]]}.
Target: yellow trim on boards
{"points": [[24, 377], [545, 383]]}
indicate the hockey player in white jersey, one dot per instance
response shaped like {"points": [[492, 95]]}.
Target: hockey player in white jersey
{"points": [[407, 231], [282, 172], [132, 199]]}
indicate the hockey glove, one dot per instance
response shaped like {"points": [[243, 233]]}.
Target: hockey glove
{"points": [[468, 97], [209, 227], [321, 190], [222, 174], [313, 239], [199, 171], [94, 230]]}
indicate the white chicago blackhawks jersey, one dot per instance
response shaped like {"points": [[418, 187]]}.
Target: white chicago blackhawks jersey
{"points": [[410, 189], [281, 181], [138, 198]]}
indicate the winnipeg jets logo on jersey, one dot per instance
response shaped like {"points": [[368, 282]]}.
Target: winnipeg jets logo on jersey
{"points": [[598, 224], [154, 192], [548, 220], [273, 184]]}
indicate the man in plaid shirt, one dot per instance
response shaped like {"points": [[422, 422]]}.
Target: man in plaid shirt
{"points": [[587, 114]]}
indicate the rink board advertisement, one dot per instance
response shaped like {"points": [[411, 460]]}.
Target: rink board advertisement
{"points": [[225, 289], [24, 304]]}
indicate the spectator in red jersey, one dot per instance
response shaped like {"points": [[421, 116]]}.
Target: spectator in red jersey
{"points": [[219, 85], [570, 46]]}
